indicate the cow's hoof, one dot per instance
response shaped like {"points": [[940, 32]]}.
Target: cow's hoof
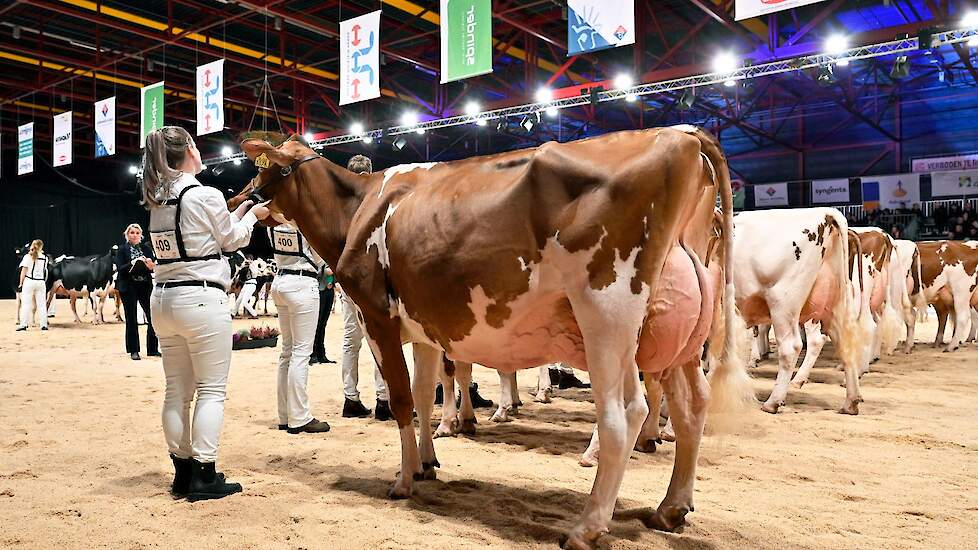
{"points": [[798, 383], [428, 472], [671, 519], [580, 539], [501, 415], [850, 408], [399, 492], [542, 397], [467, 427], [771, 407], [589, 459], [444, 430], [647, 446]]}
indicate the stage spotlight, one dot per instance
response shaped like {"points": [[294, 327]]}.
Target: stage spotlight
{"points": [[399, 143], [836, 44], [219, 169], [826, 76], [308, 137], [687, 99], [133, 169], [544, 95], [725, 62], [527, 124], [901, 68], [623, 81], [368, 140], [551, 111], [236, 162], [409, 118], [226, 151], [480, 122], [356, 128], [472, 108]]}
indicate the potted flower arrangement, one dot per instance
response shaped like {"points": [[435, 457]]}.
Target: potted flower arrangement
{"points": [[257, 337]]}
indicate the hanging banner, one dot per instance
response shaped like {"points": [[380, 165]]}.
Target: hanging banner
{"points": [[954, 184], [771, 194], [753, 8], [105, 127], [360, 58], [210, 98], [466, 39], [151, 110], [893, 192], [599, 24], [830, 191], [61, 151], [945, 164], [25, 148]]}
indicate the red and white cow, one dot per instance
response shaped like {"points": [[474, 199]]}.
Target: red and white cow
{"points": [[949, 273], [792, 267], [906, 290], [556, 253]]}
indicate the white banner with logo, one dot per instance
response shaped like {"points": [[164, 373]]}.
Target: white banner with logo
{"points": [[105, 127], [25, 148], [753, 8], [830, 191], [896, 191], [62, 139], [954, 184], [210, 98], [771, 194], [360, 58], [945, 164], [599, 24]]}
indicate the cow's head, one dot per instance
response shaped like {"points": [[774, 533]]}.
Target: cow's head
{"points": [[277, 165]]}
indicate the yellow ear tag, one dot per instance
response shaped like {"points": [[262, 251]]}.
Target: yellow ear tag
{"points": [[261, 161]]}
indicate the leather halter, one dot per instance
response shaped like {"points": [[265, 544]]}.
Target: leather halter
{"points": [[285, 172]]}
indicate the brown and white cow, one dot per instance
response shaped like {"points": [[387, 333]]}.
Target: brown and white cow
{"points": [[877, 249], [906, 290], [791, 267], [949, 273], [525, 258]]}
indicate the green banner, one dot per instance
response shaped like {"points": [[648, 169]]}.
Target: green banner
{"points": [[151, 109], [466, 38], [739, 193]]}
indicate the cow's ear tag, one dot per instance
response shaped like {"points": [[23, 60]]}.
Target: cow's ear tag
{"points": [[261, 161]]}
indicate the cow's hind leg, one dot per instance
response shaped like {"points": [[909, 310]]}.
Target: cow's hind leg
{"points": [[961, 298], [650, 436], [449, 408], [688, 393], [815, 340], [507, 408], [466, 414], [427, 363], [610, 341], [789, 346], [544, 387]]}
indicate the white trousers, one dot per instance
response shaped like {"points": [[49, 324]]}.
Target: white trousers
{"points": [[297, 301], [194, 329], [34, 295], [244, 299], [352, 341]]}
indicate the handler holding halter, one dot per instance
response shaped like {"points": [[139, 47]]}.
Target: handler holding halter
{"points": [[189, 227]]}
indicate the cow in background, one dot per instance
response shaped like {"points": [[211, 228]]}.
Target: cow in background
{"points": [[949, 274], [89, 277]]}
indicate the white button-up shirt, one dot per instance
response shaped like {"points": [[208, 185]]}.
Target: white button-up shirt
{"points": [[207, 228], [36, 269]]}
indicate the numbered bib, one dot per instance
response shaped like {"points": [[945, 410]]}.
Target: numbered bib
{"points": [[165, 245], [287, 242]]}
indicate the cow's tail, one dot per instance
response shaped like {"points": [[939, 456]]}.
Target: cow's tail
{"points": [[894, 327], [731, 391], [850, 318], [917, 294]]}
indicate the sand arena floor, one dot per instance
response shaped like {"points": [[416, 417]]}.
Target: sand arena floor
{"points": [[83, 464]]}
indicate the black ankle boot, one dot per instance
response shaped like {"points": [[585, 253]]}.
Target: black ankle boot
{"points": [[478, 402], [206, 483], [439, 394], [182, 468]]}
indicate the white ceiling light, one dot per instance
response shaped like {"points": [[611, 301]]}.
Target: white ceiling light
{"points": [[623, 81], [551, 111], [836, 44], [356, 128], [308, 136], [226, 151], [725, 62], [472, 108], [409, 118], [544, 95], [133, 169]]}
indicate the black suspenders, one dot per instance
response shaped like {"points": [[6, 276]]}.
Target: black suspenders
{"points": [[181, 248]]}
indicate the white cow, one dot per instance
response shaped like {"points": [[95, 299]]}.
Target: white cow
{"points": [[792, 267]]}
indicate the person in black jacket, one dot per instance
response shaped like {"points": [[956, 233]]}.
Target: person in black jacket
{"points": [[135, 262]]}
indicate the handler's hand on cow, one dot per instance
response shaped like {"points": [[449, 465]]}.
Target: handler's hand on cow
{"points": [[261, 211], [242, 208]]}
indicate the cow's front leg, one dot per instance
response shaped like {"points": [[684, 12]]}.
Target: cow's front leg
{"points": [[384, 337], [427, 363]]}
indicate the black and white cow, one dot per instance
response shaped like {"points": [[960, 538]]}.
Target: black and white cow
{"points": [[86, 276]]}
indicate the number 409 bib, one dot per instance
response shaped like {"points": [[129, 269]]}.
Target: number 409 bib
{"points": [[165, 245]]}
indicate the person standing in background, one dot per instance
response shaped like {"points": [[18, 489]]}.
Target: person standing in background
{"points": [[32, 286], [326, 295], [249, 279], [295, 290], [134, 280]]}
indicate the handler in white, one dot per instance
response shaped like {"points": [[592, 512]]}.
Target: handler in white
{"points": [[247, 289], [189, 227], [33, 292], [295, 290]]}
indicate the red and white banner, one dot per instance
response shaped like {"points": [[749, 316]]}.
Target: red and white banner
{"points": [[210, 97], [967, 161], [62, 139], [771, 194], [753, 8], [360, 58]]}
